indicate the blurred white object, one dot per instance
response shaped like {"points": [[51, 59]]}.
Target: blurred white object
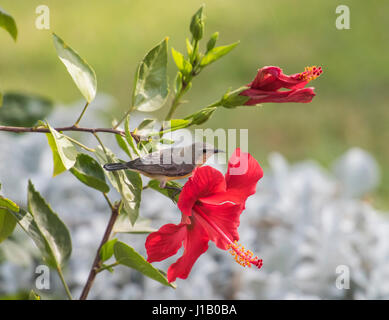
{"points": [[300, 221], [357, 171]]}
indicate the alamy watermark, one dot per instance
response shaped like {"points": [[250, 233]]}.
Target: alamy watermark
{"points": [[342, 22]]}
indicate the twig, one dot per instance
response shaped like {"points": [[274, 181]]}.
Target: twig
{"points": [[97, 262], [71, 128]]}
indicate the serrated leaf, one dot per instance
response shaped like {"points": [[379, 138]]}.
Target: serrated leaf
{"points": [[123, 225], [45, 228], [89, 171], [128, 257], [8, 23], [106, 251], [24, 110], [216, 53], [182, 64], [81, 72], [7, 223], [151, 81], [126, 182], [64, 152]]}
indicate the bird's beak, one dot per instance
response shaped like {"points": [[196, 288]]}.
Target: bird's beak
{"points": [[218, 151]]}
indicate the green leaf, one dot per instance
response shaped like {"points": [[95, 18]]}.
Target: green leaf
{"points": [[33, 296], [8, 204], [151, 81], [182, 64], [126, 182], [23, 110], [81, 72], [45, 228], [8, 23], [123, 225], [129, 137], [89, 171], [127, 256], [123, 145], [64, 152], [189, 47], [146, 126], [216, 53], [7, 223], [178, 83], [106, 251], [1, 99], [170, 193]]}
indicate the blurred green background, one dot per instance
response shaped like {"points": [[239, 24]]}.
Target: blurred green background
{"points": [[351, 106]]}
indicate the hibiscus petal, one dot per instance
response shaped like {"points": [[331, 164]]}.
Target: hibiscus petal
{"points": [[242, 176], [165, 242], [272, 78], [195, 244], [304, 95], [204, 181], [220, 220]]}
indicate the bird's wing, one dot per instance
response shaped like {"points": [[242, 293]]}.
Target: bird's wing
{"points": [[155, 164]]}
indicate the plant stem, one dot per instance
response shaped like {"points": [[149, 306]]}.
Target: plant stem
{"points": [[80, 144], [71, 128], [59, 270], [176, 102], [97, 262], [108, 267], [124, 117], [108, 201], [81, 115]]}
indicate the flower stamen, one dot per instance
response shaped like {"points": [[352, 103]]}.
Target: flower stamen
{"points": [[243, 256], [310, 73]]}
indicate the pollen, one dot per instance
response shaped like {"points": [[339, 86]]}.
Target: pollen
{"points": [[244, 256], [310, 73]]}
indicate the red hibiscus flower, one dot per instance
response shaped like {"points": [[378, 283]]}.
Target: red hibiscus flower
{"points": [[269, 80], [211, 205]]}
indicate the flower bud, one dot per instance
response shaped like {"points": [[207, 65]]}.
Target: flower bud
{"points": [[232, 99], [197, 24], [212, 41]]}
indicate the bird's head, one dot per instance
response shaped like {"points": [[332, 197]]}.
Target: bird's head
{"points": [[201, 151]]}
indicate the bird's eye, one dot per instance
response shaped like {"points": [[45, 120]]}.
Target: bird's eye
{"points": [[205, 150]]}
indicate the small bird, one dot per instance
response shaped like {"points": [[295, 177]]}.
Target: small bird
{"points": [[168, 164]]}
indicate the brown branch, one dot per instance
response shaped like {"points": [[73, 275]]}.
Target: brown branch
{"points": [[71, 128], [97, 262]]}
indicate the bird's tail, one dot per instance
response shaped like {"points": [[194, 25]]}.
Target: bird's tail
{"points": [[115, 166]]}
